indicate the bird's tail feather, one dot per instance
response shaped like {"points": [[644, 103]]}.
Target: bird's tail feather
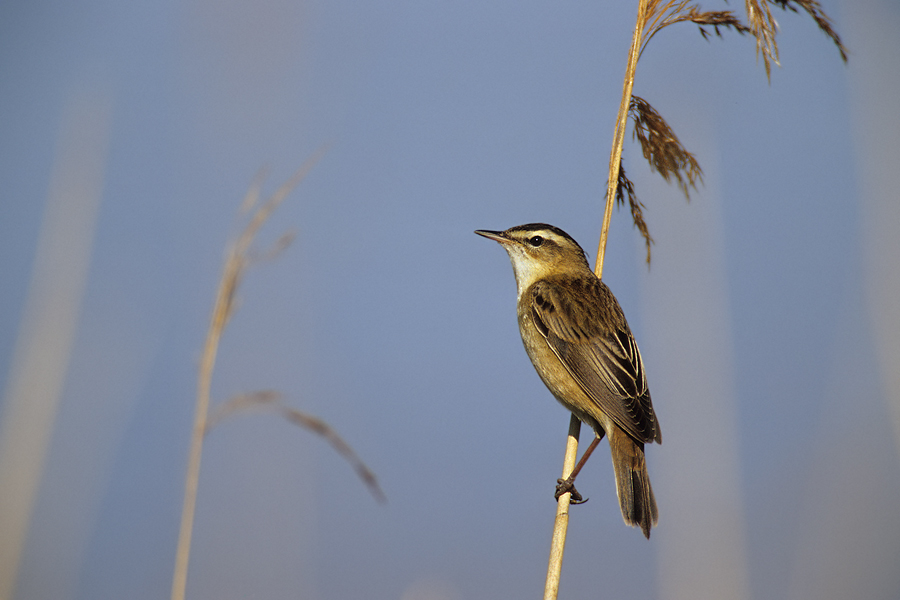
{"points": [[632, 482]]}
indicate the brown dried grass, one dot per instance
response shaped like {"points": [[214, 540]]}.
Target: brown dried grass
{"points": [[662, 149], [823, 21], [625, 190], [661, 14]]}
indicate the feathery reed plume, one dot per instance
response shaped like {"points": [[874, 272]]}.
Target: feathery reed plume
{"points": [[626, 188], [659, 144], [666, 155], [662, 14], [814, 10], [764, 28]]}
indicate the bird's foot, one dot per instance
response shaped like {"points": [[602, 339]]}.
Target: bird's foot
{"points": [[567, 486]]}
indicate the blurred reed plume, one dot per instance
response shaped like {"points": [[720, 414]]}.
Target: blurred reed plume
{"points": [[239, 258], [272, 401]]}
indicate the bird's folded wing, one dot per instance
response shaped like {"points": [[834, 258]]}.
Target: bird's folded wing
{"points": [[605, 361]]}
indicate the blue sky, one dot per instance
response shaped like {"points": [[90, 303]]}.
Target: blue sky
{"points": [[759, 321]]}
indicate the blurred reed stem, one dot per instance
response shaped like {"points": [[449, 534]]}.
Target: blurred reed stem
{"points": [[235, 266]]}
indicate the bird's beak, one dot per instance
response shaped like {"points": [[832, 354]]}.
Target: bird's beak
{"points": [[497, 236]]}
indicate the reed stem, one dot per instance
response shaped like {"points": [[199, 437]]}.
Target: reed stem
{"points": [[560, 527]]}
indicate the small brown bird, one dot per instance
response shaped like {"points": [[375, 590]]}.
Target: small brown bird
{"points": [[579, 342]]}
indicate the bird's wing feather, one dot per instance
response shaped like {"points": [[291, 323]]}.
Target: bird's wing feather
{"points": [[603, 358]]}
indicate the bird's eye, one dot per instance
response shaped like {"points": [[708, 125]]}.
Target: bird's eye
{"points": [[535, 241]]}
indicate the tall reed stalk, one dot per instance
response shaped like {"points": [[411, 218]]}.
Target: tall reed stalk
{"points": [[239, 258], [666, 155]]}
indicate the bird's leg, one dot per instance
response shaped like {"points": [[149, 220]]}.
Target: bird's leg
{"points": [[567, 485]]}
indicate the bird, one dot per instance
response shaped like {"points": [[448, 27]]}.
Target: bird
{"points": [[579, 342]]}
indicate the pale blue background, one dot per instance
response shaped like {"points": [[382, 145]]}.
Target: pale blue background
{"points": [[387, 317]]}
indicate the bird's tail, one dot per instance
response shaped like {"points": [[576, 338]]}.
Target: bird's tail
{"points": [[632, 482]]}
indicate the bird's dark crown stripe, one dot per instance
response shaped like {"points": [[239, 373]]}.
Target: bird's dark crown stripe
{"points": [[535, 227]]}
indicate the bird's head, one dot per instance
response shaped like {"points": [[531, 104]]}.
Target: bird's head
{"points": [[538, 250]]}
